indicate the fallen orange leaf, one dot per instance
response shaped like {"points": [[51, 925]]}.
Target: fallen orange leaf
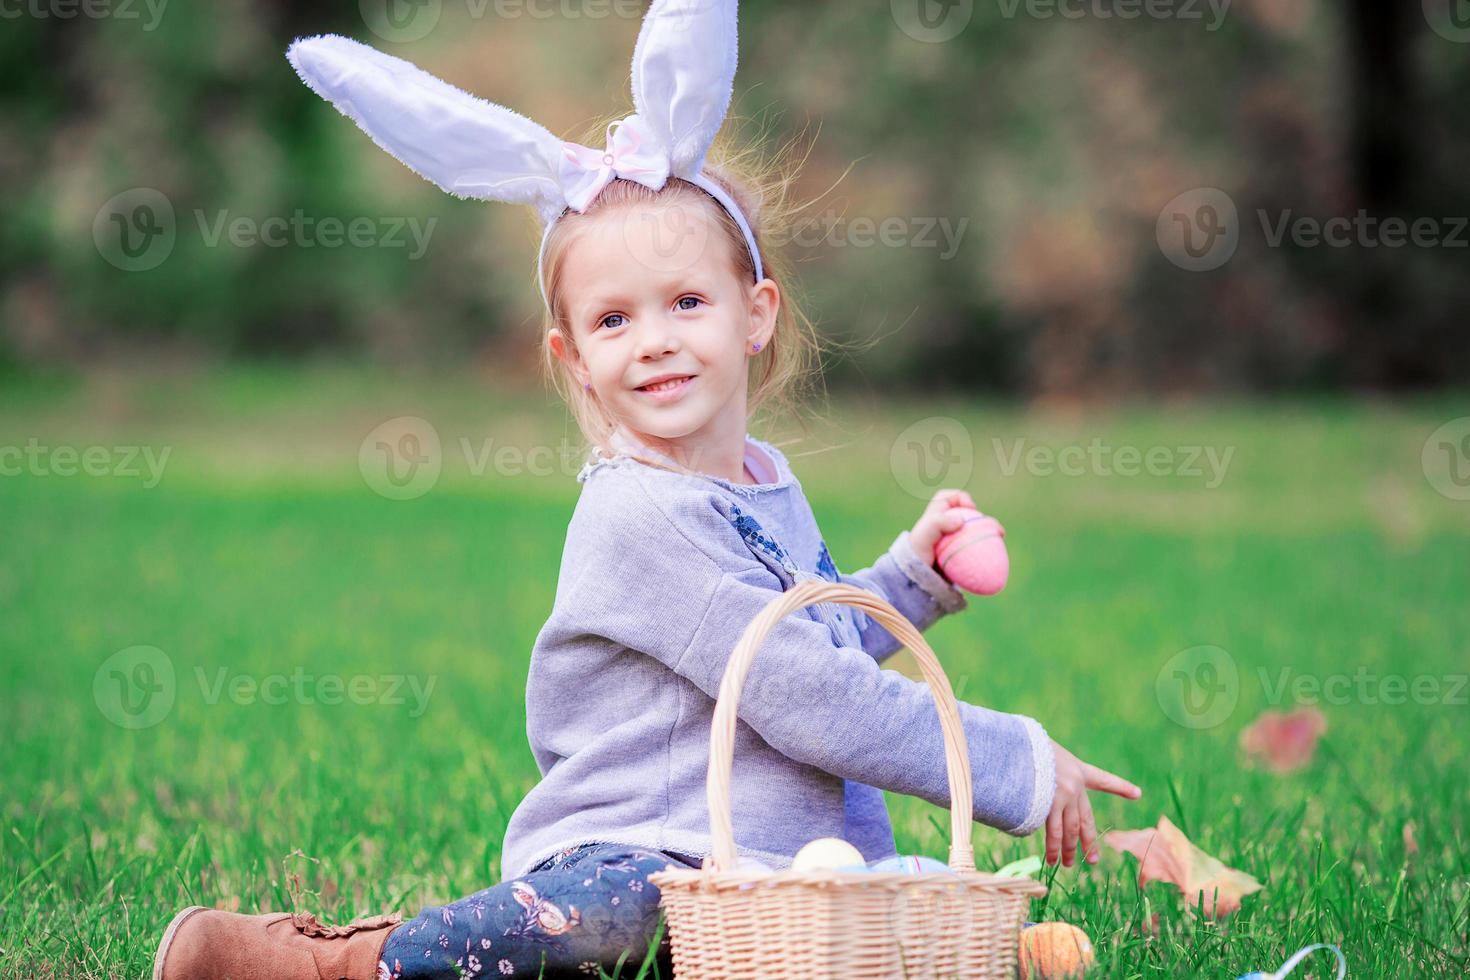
{"points": [[1286, 741], [1165, 854]]}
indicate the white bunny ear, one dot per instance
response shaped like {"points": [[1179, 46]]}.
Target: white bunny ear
{"points": [[467, 146], [683, 75]]}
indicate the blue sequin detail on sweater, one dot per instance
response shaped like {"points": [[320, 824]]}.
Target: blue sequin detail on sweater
{"points": [[750, 529], [826, 566]]}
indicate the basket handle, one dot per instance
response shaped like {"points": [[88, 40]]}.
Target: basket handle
{"points": [[722, 728]]}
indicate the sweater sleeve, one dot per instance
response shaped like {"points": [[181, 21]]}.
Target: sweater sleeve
{"points": [[910, 586], [674, 580]]}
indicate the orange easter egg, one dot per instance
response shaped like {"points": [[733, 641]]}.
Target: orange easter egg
{"points": [[1053, 950]]}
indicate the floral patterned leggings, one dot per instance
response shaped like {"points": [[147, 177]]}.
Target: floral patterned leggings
{"points": [[572, 915]]}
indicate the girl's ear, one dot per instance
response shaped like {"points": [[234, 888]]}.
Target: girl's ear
{"points": [[765, 304], [562, 350]]}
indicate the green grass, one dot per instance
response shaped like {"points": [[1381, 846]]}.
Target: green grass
{"points": [[262, 551]]}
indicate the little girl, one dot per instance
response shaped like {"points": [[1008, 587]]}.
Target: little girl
{"points": [[661, 305]]}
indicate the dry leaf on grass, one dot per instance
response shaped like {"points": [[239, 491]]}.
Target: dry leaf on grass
{"points": [[1165, 854]]}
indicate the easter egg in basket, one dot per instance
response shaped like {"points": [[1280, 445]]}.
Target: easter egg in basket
{"points": [[825, 853], [908, 864]]}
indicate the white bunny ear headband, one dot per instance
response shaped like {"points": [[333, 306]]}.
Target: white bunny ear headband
{"points": [[683, 74]]}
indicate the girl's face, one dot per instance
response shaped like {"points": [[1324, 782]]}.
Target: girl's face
{"points": [[651, 292]]}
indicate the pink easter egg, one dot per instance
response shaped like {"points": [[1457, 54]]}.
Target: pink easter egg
{"points": [[974, 557]]}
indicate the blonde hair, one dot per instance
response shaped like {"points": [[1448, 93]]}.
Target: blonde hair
{"points": [[788, 367]]}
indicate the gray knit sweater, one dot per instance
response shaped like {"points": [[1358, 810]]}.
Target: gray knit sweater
{"points": [[660, 574]]}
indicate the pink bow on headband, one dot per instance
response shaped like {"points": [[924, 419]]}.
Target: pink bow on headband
{"points": [[632, 153]]}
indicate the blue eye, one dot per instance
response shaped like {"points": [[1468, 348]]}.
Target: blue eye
{"points": [[611, 316], [694, 298]]}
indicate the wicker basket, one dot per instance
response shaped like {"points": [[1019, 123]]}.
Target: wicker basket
{"points": [[830, 924]]}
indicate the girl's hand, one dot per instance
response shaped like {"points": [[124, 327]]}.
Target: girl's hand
{"points": [[939, 519], [1071, 812]]}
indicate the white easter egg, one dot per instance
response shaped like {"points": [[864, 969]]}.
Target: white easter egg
{"points": [[825, 853]]}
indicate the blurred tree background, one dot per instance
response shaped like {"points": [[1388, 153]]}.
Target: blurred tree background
{"points": [[1049, 137]]}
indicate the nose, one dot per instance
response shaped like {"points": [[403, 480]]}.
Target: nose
{"points": [[657, 338]]}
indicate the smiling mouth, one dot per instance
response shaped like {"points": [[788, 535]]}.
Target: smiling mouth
{"points": [[669, 385]]}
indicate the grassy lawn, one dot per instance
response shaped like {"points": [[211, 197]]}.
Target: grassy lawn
{"points": [[1319, 549]]}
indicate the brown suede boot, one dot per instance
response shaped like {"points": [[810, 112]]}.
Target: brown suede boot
{"points": [[206, 944]]}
